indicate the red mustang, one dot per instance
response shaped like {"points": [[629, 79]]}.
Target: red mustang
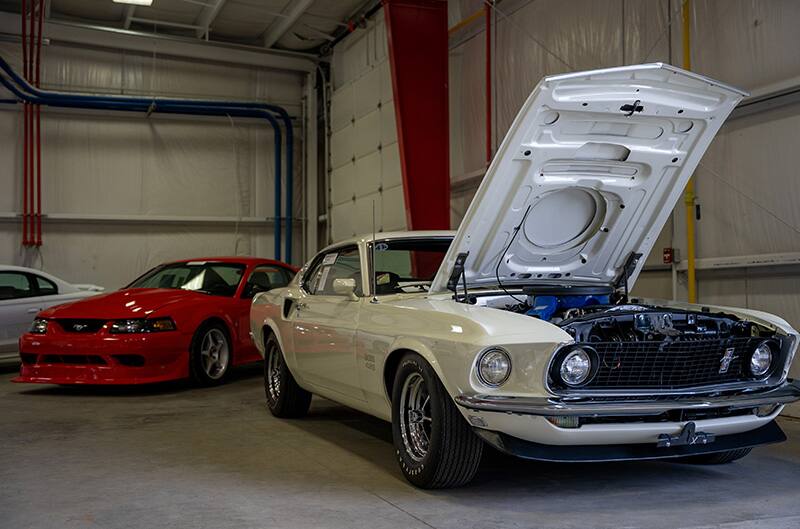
{"points": [[181, 319]]}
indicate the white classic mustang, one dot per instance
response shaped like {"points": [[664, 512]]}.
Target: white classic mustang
{"points": [[517, 329]]}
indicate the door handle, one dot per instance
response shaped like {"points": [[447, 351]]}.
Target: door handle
{"points": [[34, 310]]}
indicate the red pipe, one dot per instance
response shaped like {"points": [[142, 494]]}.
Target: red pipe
{"points": [[488, 10], [39, 132], [31, 150], [24, 130]]}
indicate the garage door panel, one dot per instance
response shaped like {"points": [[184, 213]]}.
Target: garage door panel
{"points": [[388, 124], [386, 81], [343, 184], [363, 213], [342, 108], [368, 174], [342, 222], [343, 146], [367, 93], [394, 210], [367, 134], [390, 166]]}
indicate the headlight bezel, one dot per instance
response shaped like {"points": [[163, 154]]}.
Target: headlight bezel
{"points": [[479, 362], [554, 378], [773, 349], [33, 329], [142, 325]]}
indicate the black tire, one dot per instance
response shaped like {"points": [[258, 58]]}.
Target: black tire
{"points": [[199, 368], [285, 398], [453, 451], [718, 458]]}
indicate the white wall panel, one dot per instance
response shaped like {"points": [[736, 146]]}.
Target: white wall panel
{"points": [[342, 148], [364, 152], [368, 174], [344, 189], [342, 108], [367, 134], [393, 217], [98, 163], [391, 173]]}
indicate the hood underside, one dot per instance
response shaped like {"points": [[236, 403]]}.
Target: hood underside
{"points": [[587, 176]]}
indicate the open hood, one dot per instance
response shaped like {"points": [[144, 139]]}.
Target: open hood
{"points": [[586, 177]]}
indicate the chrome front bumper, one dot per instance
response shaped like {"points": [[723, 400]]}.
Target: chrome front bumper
{"points": [[548, 406]]}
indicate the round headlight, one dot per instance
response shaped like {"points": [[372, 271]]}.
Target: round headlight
{"points": [[494, 367], [761, 360], [576, 367]]}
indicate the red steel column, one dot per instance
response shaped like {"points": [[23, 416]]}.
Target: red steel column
{"points": [[417, 33]]}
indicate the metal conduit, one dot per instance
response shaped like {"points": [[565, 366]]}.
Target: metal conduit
{"points": [[30, 94]]}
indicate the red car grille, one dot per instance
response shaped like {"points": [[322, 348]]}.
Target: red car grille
{"points": [[75, 360], [85, 326]]}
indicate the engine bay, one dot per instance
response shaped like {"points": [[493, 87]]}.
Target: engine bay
{"points": [[595, 318]]}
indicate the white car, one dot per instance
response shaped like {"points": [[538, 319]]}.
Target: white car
{"points": [[24, 292], [517, 330]]}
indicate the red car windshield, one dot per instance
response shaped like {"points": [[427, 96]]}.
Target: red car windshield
{"points": [[216, 279]]}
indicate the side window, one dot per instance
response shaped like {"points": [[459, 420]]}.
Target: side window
{"points": [[45, 287], [14, 285], [265, 278], [339, 264]]}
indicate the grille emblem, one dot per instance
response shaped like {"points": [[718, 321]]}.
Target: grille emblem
{"points": [[78, 327], [727, 358]]}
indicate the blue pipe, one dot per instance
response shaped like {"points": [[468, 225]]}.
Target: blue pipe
{"points": [[190, 106]]}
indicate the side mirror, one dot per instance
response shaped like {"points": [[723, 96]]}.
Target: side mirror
{"points": [[345, 287]]}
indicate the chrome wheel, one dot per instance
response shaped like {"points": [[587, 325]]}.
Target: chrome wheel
{"points": [[415, 416], [214, 354], [273, 374]]}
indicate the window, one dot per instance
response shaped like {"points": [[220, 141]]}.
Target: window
{"points": [[14, 285], [342, 263], [265, 278], [45, 287], [216, 279], [408, 265]]}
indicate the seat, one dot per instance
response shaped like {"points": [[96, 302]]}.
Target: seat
{"points": [[261, 280]]}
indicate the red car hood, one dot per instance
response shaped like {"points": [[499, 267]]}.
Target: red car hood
{"points": [[129, 303]]}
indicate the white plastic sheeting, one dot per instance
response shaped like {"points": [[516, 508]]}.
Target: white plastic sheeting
{"points": [[124, 165], [746, 184]]}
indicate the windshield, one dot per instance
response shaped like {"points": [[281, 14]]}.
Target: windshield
{"points": [[216, 279], [408, 265]]}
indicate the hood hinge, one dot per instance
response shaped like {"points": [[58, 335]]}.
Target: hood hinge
{"points": [[627, 272]]}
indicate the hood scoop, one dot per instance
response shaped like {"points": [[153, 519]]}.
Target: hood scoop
{"points": [[587, 176]]}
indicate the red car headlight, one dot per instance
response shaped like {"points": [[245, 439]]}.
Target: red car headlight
{"points": [[142, 325], [39, 326]]}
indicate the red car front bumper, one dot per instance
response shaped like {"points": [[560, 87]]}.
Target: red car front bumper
{"points": [[59, 357]]}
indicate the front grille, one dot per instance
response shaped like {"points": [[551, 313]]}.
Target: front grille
{"points": [[73, 360], [85, 326], [670, 364]]}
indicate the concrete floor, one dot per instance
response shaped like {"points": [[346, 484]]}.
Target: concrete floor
{"points": [[177, 456]]}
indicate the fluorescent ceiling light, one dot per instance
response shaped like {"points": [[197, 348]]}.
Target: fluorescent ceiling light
{"points": [[135, 2]]}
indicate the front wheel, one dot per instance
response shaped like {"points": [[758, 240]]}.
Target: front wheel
{"points": [[435, 447], [210, 355], [285, 397]]}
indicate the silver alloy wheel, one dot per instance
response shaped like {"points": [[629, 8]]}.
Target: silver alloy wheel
{"points": [[273, 375], [214, 353], [415, 416]]}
